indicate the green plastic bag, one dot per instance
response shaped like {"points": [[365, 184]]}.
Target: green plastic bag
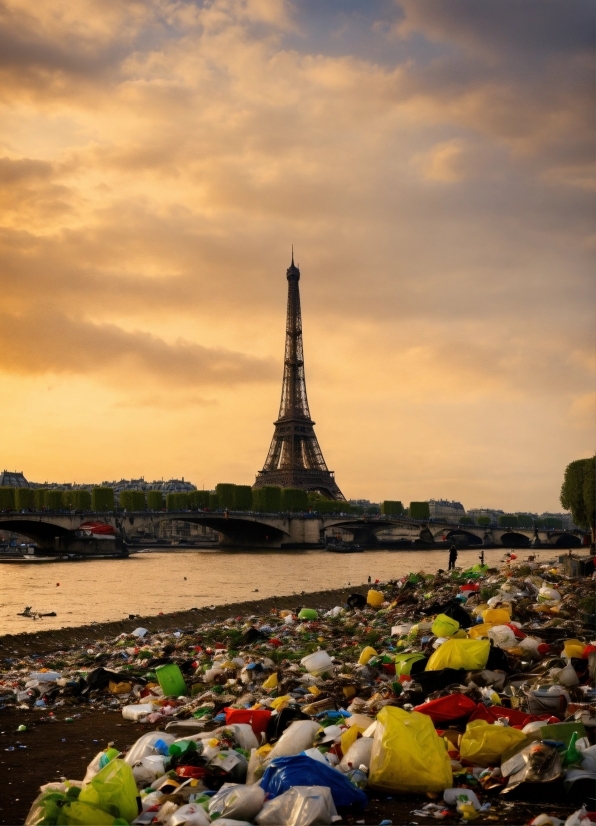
{"points": [[404, 662], [407, 754], [48, 804], [444, 626], [113, 790], [78, 813], [469, 654], [483, 743]]}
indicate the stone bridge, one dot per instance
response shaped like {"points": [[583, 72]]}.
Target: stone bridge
{"points": [[60, 532]]}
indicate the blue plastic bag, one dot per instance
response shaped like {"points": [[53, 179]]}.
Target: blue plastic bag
{"points": [[300, 770]]}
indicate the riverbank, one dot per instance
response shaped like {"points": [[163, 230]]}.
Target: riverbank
{"points": [[50, 641]]}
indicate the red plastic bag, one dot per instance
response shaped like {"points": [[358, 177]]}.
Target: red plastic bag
{"points": [[447, 709], [517, 719], [257, 719]]}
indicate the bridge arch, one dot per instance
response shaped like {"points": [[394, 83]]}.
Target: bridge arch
{"points": [[41, 532], [515, 540], [458, 534], [566, 540], [235, 530]]}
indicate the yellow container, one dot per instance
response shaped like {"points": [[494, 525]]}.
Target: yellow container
{"points": [[496, 616], [573, 648], [375, 598], [476, 632], [366, 654]]}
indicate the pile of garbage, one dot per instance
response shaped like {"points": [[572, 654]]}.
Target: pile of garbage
{"points": [[464, 688]]}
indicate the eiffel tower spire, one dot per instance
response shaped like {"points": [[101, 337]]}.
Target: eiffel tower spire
{"points": [[295, 459]]}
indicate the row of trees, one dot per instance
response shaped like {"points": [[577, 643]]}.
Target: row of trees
{"points": [[514, 520], [35, 499]]}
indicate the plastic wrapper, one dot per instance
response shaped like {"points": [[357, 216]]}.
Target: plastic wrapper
{"points": [[301, 770], [113, 789], [469, 654], [502, 636], [149, 744], [190, 814], [483, 744], [447, 709], [237, 801], [407, 754], [535, 763], [299, 806]]}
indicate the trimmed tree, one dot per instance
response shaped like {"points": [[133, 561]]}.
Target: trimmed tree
{"points": [[267, 499], [40, 498], [132, 500], [178, 501], [552, 523], [578, 493], [102, 499], [294, 499], [466, 520], [53, 500], [508, 520], [392, 507], [419, 510], [155, 500], [225, 495], [7, 500], [483, 521], [525, 520], [24, 499], [213, 500], [242, 498], [199, 499]]}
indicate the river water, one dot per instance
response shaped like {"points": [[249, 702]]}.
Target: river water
{"points": [[110, 589]]}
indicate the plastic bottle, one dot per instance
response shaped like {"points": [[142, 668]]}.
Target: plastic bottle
{"points": [[181, 747], [358, 777], [572, 755]]}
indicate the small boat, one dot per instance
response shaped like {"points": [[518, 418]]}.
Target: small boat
{"points": [[26, 554], [339, 546]]}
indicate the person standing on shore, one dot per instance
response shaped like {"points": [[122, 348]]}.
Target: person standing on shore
{"points": [[452, 557]]}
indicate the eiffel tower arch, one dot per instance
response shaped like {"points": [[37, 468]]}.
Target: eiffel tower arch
{"points": [[295, 459]]}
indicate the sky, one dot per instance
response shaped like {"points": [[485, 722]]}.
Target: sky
{"points": [[432, 162]]}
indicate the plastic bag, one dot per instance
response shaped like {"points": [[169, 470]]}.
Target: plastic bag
{"points": [[404, 662], [300, 770], [300, 735], [469, 654], [114, 790], [503, 636], [357, 755], [79, 813], [192, 814], [149, 743], [47, 805], [257, 719], [444, 626], [237, 801], [299, 806], [407, 754], [447, 709], [483, 743]]}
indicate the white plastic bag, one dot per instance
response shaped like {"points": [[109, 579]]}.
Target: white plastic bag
{"points": [[299, 806], [502, 636], [299, 736], [189, 815], [145, 746], [243, 735], [237, 801]]}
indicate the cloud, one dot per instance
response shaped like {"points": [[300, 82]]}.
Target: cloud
{"points": [[52, 343]]}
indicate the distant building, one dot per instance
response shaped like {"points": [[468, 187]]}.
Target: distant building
{"points": [[565, 518], [13, 479], [492, 513], [446, 509]]}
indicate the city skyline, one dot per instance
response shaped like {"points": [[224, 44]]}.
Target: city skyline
{"points": [[431, 163]]}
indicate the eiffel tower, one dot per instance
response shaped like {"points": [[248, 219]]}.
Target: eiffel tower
{"points": [[295, 459]]}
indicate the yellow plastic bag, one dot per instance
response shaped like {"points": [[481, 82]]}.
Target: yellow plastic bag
{"points": [[483, 743], [375, 598], [270, 682], [469, 654], [497, 616], [407, 754], [444, 626], [366, 654], [113, 790]]}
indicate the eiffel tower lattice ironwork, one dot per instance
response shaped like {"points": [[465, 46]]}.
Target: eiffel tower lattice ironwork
{"points": [[295, 459]]}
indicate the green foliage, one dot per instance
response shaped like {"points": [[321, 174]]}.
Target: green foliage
{"points": [[40, 498], [242, 498], [132, 500], [392, 507], [225, 495], [294, 499], [179, 501], [213, 500], [199, 499], [552, 523], [79, 500], [525, 520], [483, 521], [7, 500], [53, 500], [578, 494], [102, 499], [267, 499], [155, 500], [466, 520], [419, 510], [508, 520], [24, 499], [372, 509]]}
